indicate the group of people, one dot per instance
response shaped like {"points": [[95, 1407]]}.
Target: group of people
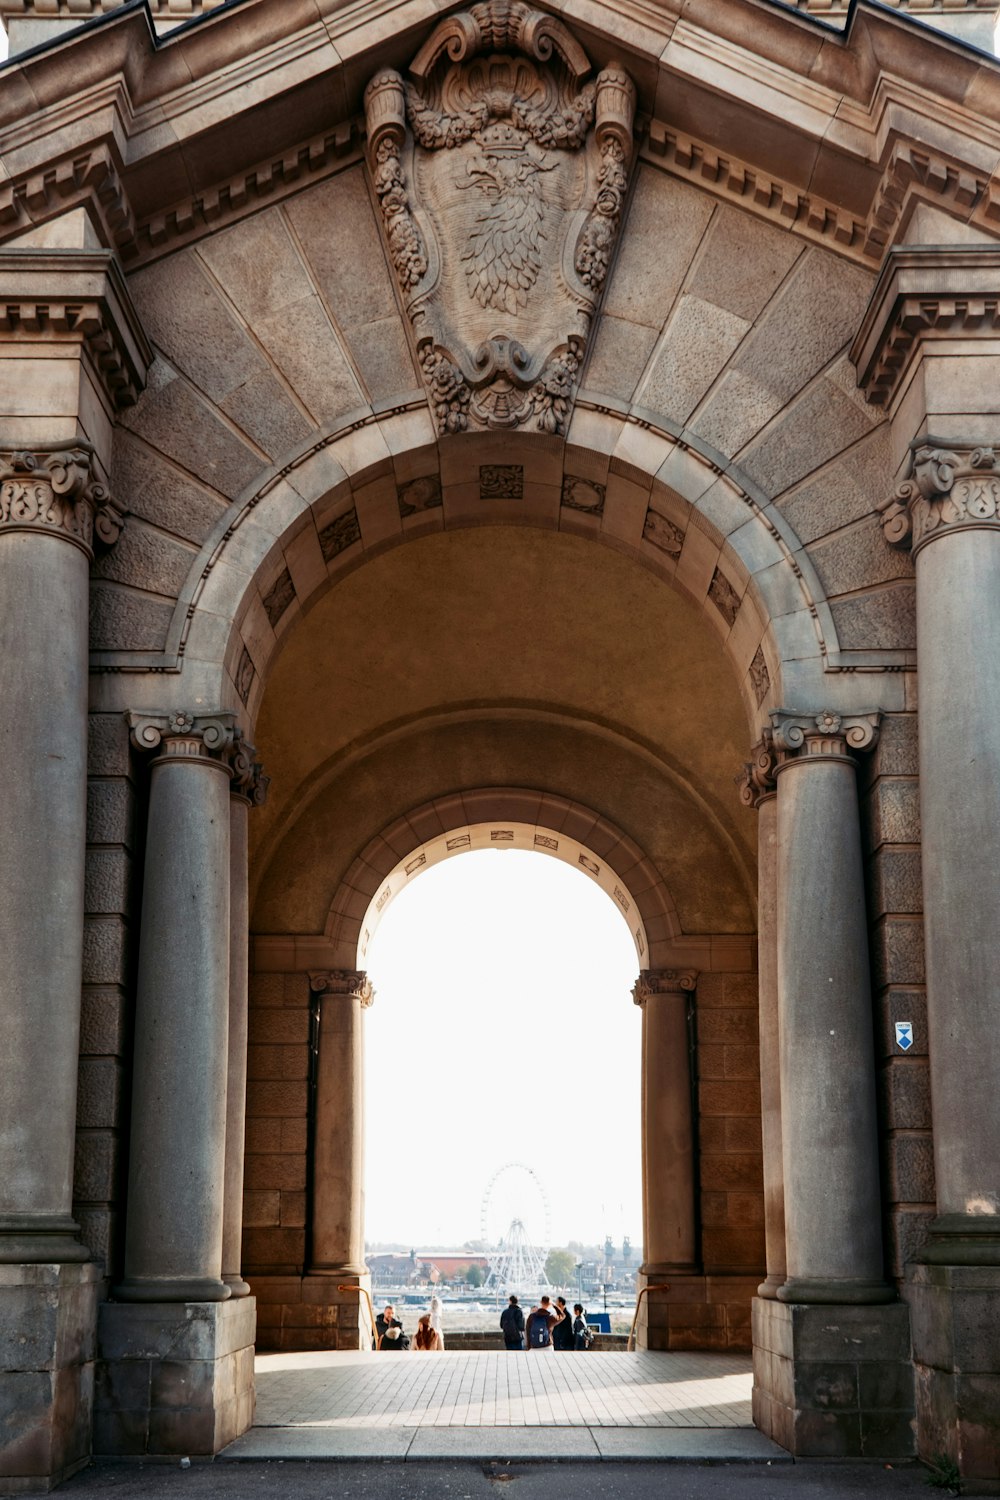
{"points": [[547, 1326]]}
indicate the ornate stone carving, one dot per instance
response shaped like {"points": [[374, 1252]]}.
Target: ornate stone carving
{"points": [[663, 982], [182, 735], [249, 780], [825, 733], [758, 779], [351, 983], [760, 677], [55, 491], [501, 173], [948, 488]]}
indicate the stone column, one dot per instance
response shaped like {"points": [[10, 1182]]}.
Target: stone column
{"points": [[948, 512], [248, 789], [759, 789], [51, 509], [173, 1241], [833, 1215], [669, 1235], [337, 1188]]}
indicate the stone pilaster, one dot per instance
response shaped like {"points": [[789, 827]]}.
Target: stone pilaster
{"points": [[665, 997], [759, 789], [248, 789], [173, 1244], [833, 1232]]}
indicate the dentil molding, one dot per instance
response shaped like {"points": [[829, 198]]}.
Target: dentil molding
{"points": [[54, 490], [500, 172]]}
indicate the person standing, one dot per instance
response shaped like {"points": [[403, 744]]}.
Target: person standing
{"points": [[427, 1337], [582, 1336], [437, 1318], [512, 1325], [541, 1321], [389, 1335], [562, 1333]]}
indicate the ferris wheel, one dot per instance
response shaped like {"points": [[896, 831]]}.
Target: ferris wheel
{"points": [[515, 1226]]}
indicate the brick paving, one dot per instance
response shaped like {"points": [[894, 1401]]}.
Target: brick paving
{"points": [[495, 1389]]}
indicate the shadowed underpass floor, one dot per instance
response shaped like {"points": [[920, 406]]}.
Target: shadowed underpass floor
{"points": [[493, 1405]]}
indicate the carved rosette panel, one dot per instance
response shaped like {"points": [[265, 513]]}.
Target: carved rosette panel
{"points": [[352, 984], [663, 982], [947, 489], [501, 170], [56, 492]]}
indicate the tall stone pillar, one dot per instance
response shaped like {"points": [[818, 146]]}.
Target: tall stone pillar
{"points": [[759, 790], [337, 1247], [833, 1219], [670, 1246], [248, 789], [835, 1309], [173, 1339], [51, 506]]}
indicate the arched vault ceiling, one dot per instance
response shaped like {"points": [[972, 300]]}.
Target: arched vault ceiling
{"points": [[502, 655]]}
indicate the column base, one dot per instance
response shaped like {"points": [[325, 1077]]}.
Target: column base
{"points": [[698, 1312], [48, 1318], [818, 1291], [963, 1240], [173, 1380], [296, 1313], [41, 1239], [770, 1287], [193, 1289], [955, 1312], [237, 1286], [834, 1382]]}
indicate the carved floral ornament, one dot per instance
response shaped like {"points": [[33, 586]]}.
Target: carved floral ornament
{"points": [[501, 176], [352, 984], [55, 491], [948, 489]]}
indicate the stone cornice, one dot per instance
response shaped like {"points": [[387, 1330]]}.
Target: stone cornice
{"points": [[90, 179], [663, 982], [54, 490], [951, 486], [826, 734], [924, 294], [757, 782], [81, 296], [352, 984]]}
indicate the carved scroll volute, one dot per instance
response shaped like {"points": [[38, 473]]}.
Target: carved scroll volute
{"points": [[501, 177]]}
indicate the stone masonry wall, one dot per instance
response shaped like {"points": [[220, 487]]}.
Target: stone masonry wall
{"points": [[891, 816], [113, 859]]}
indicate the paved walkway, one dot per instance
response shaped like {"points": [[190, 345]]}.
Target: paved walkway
{"points": [[491, 1404]]}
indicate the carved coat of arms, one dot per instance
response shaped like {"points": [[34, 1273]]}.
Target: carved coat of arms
{"points": [[501, 170]]}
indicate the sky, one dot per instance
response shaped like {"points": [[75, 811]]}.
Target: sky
{"points": [[503, 1031]]}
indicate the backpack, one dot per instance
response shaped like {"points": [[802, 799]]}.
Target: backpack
{"points": [[539, 1337]]}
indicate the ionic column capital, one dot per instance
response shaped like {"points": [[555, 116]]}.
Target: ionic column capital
{"points": [[663, 982], [758, 779], [826, 735], [53, 489], [181, 736], [249, 782], [951, 486], [352, 984]]}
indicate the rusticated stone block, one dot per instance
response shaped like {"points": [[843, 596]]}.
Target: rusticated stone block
{"points": [[893, 811], [734, 1097], [110, 812], [727, 1025], [900, 1004], [280, 1250], [280, 1099], [279, 1027], [896, 753], [898, 951], [96, 1166], [105, 951], [734, 1247], [102, 1019], [908, 1231], [905, 1089], [896, 881], [743, 1133], [98, 1093], [273, 1171], [910, 1161], [265, 990], [292, 1210], [261, 1210], [735, 1170], [108, 750]]}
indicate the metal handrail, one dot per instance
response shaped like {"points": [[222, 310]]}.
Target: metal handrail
{"points": [[663, 1286], [362, 1291]]}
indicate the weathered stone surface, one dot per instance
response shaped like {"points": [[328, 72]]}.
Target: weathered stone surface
{"points": [[172, 417], [106, 885], [110, 812], [146, 559], [121, 620], [160, 492], [885, 617], [699, 339], [844, 492], [620, 352], [665, 223]]}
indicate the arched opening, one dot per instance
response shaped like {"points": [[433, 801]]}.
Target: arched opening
{"points": [[503, 1032]]}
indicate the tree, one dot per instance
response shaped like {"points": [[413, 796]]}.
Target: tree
{"points": [[560, 1266], [474, 1275]]}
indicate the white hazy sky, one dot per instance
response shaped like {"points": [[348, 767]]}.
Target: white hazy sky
{"points": [[503, 1030]]}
